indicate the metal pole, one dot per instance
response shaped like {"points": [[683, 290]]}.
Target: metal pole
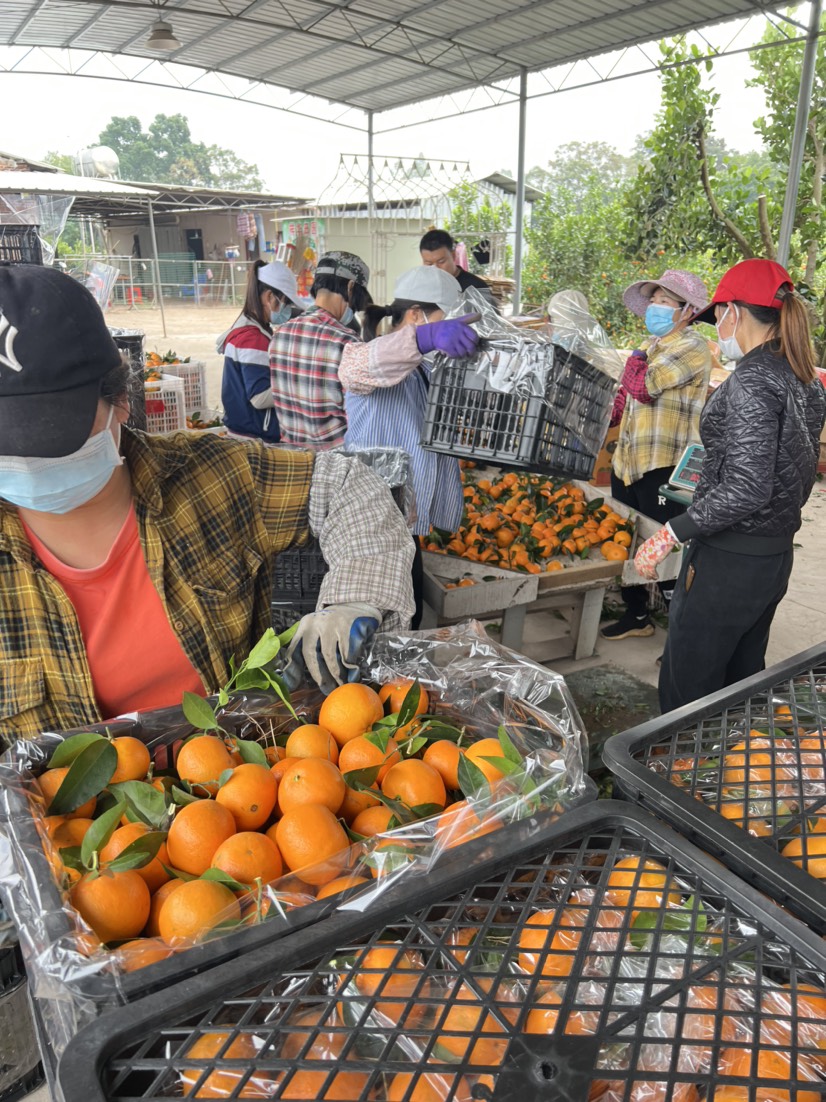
{"points": [[801, 120], [520, 191], [156, 265], [370, 196]]}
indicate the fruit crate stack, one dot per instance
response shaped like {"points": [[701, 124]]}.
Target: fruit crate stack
{"points": [[559, 432], [165, 404], [193, 375], [20, 244], [743, 774], [603, 957], [131, 341]]}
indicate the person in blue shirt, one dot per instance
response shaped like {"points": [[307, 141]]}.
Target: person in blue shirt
{"points": [[386, 380], [246, 394]]}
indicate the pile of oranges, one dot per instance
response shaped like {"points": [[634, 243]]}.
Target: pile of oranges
{"points": [[458, 994], [532, 524], [153, 862], [764, 783]]}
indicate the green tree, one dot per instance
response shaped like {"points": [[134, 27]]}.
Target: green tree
{"points": [[167, 153], [573, 165], [474, 214], [61, 161]]}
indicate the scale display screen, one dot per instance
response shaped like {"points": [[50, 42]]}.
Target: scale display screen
{"points": [[686, 474]]}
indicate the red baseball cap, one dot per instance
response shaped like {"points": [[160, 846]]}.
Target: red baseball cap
{"points": [[754, 281]]}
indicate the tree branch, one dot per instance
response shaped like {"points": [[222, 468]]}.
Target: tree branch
{"points": [[716, 210], [765, 228]]}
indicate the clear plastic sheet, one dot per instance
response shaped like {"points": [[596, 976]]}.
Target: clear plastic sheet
{"points": [[472, 682], [100, 279], [48, 212]]}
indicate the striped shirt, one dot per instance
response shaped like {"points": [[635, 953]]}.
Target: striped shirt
{"points": [[386, 384], [305, 354], [655, 434], [245, 348]]}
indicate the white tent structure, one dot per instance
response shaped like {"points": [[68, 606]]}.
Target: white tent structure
{"points": [[368, 58]]}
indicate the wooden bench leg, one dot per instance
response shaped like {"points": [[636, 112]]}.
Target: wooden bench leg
{"points": [[586, 639], [513, 626]]}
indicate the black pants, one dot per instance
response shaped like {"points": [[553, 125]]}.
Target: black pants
{"points": [[719, 620], [644, 496], [418, 584]]}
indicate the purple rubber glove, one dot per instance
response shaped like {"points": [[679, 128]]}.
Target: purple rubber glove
{"points": [[455, 338]]}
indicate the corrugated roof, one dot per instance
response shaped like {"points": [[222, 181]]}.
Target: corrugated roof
{"points": [[370, 54]]}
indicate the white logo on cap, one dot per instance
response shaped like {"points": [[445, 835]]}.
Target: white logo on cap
{"points": [[7, 356]]}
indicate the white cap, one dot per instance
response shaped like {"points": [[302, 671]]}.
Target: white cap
{"points": [[280, 278], [428, 284]]}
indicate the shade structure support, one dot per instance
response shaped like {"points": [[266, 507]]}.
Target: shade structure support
{"points": [[801, 122], [156, 274], [520, 191]]}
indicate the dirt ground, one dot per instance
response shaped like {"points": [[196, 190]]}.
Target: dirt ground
{"points": [[800, 620]]}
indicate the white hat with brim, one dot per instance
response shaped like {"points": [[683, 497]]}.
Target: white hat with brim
{"points": [[428, 285], [684, 286], [280, 278]]}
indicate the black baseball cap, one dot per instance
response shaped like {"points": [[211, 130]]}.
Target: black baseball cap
{"points": [[54, 350]]}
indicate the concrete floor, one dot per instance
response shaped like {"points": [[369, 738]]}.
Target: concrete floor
{"points": [[801, 618]]}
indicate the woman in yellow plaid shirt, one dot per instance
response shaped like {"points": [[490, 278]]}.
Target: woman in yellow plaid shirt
{"points": [[658, 408]]}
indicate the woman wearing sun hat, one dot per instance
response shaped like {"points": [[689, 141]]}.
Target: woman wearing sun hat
{"points": [[658, 406], [761, 432]]}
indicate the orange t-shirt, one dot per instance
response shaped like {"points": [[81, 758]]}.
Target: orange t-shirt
{"points": [[135, 659]]}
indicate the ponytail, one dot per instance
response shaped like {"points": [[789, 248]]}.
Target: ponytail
{"points": [[789, 325], [796, 337], [373, 317]]}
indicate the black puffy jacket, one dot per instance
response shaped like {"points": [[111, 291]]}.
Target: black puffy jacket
{"points": [[761, 431]]}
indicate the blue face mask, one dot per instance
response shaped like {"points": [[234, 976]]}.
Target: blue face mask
{"points": [[659, 320], [278, 317], [62, 484], [347, 316]]}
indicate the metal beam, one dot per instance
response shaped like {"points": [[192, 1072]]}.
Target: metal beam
{"points": [[801, 122], [156, 268], [520, 191]]}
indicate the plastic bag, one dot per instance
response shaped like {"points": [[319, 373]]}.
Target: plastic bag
{"points": [[48, 212], [473, 682]]}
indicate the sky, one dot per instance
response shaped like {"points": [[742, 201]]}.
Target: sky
{"points": [[298, 156]]}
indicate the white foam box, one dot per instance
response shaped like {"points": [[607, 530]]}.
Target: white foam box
{"points": [[494, 590]]}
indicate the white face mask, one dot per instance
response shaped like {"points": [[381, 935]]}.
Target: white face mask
{"points": [[66, 482], [729, 345]]}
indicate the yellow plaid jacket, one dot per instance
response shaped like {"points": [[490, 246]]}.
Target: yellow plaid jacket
{"points": [[211, 515], [655, 435]]}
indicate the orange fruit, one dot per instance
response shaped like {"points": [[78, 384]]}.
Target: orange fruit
{"points": [[613, 551], [555, 954], [797, 1016], [393, 693], [311, 781], [415, 783], [152, 928], [362, 753], [771, 1063], [388, 856], [808, 853], [443, 756], [313, 843], [194, 909], [343, 1086], [312, 741], [223, 1082], [153, 873], [274, 754], [280, 768], [133, 759], [356, 801], [394, 976], [341, 884], [249, 856], [428, 1087], [375, 820], [250, 795], [630, 883], [350, 710], [141, 952], [623, 539], [307, 1038], [68, 832], [461, 823], [51, 780], [486, 748], [545, 1013], [196, 832], [202, 760], [114, 904], [473, 1033]]}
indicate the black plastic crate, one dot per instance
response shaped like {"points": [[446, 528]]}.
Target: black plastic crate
{"points": [[560, 434], [283, 614], [297, 575], [603, 997], [743, 774], [20, 1067], [20, 245], [131, 341]]}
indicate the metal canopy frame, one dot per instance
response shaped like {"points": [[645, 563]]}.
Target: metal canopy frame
{"points": [[380, 56]]}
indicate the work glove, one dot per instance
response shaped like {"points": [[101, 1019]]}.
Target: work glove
{"points": [[328, 645], [653, 551], [633, 377], [454, 337]]}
